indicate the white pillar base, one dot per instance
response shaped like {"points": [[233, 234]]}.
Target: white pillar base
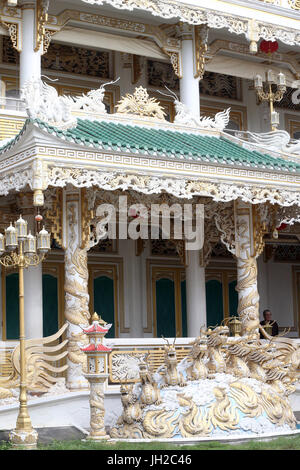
{"points": [[195, 294]]}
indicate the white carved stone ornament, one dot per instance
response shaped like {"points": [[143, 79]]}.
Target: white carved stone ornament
{"points": [[178, 187], [192, 14], [42, 102], [92, 101], [186, 118], [276, 140]]}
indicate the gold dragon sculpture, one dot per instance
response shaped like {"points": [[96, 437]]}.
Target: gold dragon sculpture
{"points": [[222, 384]]}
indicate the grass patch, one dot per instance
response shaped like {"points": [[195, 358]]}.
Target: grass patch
{"points": [[282, 443]]}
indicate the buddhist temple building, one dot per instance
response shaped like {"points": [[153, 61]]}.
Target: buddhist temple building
{"points": [[142, 103]]}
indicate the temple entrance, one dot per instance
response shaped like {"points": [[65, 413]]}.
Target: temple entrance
{"points": [[169, 301], [221, 296], [104, 294]]}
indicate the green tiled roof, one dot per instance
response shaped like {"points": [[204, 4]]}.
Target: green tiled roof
{"points": [[108, 135]]}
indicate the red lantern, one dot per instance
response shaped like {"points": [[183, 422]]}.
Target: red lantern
{"points": [[281, 227], [38, 217], [268, 47]]}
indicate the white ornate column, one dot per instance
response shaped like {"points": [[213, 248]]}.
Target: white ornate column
{"points": [[76, 288], [246, 255], [195, 293], [193, 48], [30, 55], [241, 232]]}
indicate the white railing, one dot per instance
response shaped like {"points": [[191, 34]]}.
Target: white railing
{"points": [[128, 352], [290, 4], [11, 104]]}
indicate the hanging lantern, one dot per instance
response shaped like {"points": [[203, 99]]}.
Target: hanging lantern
{"points": [[38, 218], [11, 241], [30, 245], [268, 47], [43, 241], [21, 226]]}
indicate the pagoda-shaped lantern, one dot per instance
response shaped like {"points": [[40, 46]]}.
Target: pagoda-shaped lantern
{"points": [[97, 374], [235, 327]]}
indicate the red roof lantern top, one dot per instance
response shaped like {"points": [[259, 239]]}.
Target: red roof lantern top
{"points": [[93, 347], [268, 47], [98, 326]]}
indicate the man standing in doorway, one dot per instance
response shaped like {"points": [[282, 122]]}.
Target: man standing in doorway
{"points": [[268, 319]]}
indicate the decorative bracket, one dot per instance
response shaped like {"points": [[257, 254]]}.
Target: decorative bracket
{"points": [[11, 17], [41, 17], [200, 38], [175, 59]]}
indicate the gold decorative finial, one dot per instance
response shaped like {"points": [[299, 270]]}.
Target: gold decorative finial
{"points": [[95, 317], [141, 104]]}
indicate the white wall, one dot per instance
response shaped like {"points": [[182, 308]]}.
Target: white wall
{"points": [[275, 284]]}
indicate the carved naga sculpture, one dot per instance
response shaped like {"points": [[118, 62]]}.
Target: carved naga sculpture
{"points": [[131, 408], [236, 360], [172, 376], [185, 117], [216, 340], [198, 369], [150, 393]]}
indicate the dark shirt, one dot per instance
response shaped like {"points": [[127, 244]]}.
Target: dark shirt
{"points": [[275, 329]]}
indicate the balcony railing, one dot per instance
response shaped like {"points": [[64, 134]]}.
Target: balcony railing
{"points": [[12, 104], [291, 4]]}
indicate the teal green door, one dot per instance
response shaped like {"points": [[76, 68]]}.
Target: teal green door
{"points": [[12, 306], [165, 308], [170, 303], [221, 298], [104, 301], [183, 309], [214, 302], [50, 305]]}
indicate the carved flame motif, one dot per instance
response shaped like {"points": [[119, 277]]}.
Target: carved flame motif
{"points": [[141, 104], [221, 413], [194, 421], [246, 399]]}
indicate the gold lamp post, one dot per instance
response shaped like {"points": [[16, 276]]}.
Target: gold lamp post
{"points": [[269, 95], [24, 250]]}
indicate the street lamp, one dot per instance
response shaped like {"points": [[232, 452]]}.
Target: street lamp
{"points": [[270, 95], [24, 250]]}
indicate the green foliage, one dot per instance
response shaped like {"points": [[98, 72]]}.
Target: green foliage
{"points": [[282, 443]]}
